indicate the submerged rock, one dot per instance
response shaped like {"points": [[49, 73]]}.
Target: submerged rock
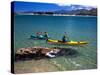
{"points": [[43, 52], [33, 52]]}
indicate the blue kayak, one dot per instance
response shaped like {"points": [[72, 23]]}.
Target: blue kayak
{"points": [[38, 37]]}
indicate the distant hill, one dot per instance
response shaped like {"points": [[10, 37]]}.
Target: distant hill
{"points": [[92, 12]]}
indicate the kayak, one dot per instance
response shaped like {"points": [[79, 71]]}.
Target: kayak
{"points": [[38, 37], [50, 41]]}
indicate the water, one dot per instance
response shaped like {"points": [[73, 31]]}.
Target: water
{"points": [[78, 28]]}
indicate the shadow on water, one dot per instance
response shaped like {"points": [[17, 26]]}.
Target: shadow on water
{"points": [[66, 52]]}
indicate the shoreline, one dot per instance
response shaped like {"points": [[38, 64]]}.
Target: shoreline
{"points": [[56, 15]]}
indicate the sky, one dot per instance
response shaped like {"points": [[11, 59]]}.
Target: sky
{"points": [[35, 6], [45, 5], [66, 2]]}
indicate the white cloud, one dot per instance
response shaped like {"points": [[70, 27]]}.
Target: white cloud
{"points": [[80, 2], [67, 2]]}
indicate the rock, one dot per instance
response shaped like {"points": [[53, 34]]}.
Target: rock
{"points": [[43, 52], [33, 52]]}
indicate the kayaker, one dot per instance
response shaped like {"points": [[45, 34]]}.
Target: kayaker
{"points": [[38, 34], [65, 38], [46, 35]]}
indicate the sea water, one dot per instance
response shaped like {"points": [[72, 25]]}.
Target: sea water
{"points": [[78, 28]]}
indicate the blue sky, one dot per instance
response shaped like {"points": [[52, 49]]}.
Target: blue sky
{"points": [[35, 6], [66, 2]]}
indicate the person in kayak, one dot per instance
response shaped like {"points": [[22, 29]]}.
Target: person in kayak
{"points": [[39, 34], [46, 35], [65, 38]]}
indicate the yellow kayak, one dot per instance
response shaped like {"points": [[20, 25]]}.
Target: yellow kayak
{"points": [[66, 43]]}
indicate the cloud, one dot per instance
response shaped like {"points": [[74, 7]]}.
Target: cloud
{"points": [[80, 2], [61, 4]]}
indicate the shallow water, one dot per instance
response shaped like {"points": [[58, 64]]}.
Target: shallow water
{"points": [[77, 27]]}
